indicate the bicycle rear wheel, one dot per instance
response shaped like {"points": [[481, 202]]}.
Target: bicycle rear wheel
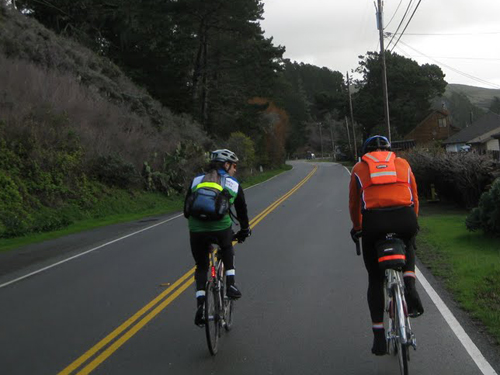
{"points": [[212, 325], [401, 347]]}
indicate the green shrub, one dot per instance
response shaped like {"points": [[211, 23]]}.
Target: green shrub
{"points": [[114, 171], [244, 148], [46, 219], [14, 219], [487, 215], [160, 183]]}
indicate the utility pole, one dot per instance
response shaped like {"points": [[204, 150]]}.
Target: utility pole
{"points": [[380, 26], [348, 134], [321, 138], [333, 142], [352, 118]]}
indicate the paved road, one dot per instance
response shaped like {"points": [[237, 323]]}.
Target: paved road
{"points": [[127, 307]]}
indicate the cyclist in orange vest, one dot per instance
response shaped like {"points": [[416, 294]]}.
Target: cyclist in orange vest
{"points": [[383, 199]]}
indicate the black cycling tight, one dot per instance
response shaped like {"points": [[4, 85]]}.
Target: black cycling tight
{"points": [[200, 244], [377, 223]]}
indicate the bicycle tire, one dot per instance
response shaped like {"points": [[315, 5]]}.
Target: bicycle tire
{"points": [[212, 324], [391, 334], [401, 347], [228, 313]]}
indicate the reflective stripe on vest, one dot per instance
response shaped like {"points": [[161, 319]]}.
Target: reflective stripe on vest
{"points": [[210, 185]]}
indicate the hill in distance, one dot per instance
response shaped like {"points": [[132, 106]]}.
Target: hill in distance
{"points": [[479, 96]]}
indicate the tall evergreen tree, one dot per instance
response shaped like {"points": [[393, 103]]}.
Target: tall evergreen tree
{"points": [[411, 87]]}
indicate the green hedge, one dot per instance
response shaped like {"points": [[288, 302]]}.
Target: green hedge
{"points": [[487, 215]]}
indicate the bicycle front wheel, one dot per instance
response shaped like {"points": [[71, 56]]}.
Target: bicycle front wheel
{"points": [[228, 313], [212, 326]]}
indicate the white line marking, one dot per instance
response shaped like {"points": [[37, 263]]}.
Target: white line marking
{"points": [[106, 244], [85, 252], [455, 326]]}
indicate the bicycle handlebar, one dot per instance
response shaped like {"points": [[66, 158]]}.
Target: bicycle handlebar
{"points": [[356, 238]]}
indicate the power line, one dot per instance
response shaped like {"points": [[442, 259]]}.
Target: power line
{"points": [[452, 34], [419, 1], [401, 22], [468, 58], [400, 1], [454, 69]]}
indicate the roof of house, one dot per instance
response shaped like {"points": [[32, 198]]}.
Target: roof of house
{"points": [[485, 124], [428, 115]]}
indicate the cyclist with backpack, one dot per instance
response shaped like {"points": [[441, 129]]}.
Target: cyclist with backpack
{"points": [[207, 208], [383, 199]]}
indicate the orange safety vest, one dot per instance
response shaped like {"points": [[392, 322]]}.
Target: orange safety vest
{"points": [[381, 180]]}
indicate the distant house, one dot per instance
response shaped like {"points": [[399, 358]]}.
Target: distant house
{"points": [[481, 136], [436, 126]]}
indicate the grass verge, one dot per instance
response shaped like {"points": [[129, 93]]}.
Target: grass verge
{"points": [[468, 263], [123, 208]]}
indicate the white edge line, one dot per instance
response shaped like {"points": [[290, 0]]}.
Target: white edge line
{"points": [[455, 326], [85, 252], [107, 243]]}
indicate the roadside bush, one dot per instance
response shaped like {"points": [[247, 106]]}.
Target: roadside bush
{"points": [[114, 171], [457, 177], [46, 219], [486, 215], [243, 146], [14, 219]]}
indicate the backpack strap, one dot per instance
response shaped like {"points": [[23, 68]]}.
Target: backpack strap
{"points": [[223, 181]]}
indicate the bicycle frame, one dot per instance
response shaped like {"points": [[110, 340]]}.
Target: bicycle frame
{"points": [[394, 286], [220, 314], [399, 334]]}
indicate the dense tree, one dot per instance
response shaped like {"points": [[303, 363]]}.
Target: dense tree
{"points": [[309, 93], [207, 58], [410, 89]]}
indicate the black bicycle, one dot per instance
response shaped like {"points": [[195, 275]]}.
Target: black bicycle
{"points": [[218, 307], [399, 333]]}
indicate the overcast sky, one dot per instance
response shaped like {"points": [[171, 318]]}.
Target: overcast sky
{"points": [[461, 36]]}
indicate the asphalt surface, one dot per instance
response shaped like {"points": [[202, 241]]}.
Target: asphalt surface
{"points": [[303, 309]]}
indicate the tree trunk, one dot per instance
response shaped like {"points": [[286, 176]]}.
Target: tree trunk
{"points": [[197, 68], [204, 88]]}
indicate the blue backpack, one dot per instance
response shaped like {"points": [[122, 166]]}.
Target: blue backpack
{"points": [[208, 202]]}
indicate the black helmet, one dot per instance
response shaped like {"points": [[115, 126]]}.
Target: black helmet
{"points": [[377, 142]]}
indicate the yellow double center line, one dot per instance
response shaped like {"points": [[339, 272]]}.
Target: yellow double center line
{"points": [[172, 292]]}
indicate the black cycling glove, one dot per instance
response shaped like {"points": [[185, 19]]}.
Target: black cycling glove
{"points": [[355, 234], [242, 234]]}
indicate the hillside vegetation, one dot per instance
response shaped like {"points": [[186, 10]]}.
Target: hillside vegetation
{"points": [[75, 130], [79, 139], [479, 96]]}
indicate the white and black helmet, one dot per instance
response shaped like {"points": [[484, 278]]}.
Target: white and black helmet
{"points": [[224, 155]]}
